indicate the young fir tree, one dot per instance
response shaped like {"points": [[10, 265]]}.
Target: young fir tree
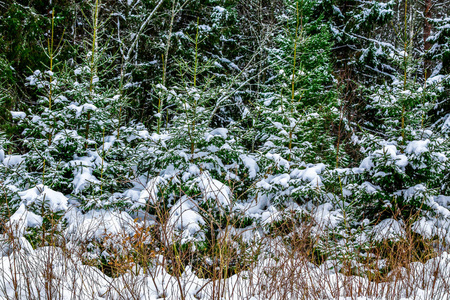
{"points": [[188, 162], [356, 28], [406, 158], [438, 56], [299, 111], [76, 139]]}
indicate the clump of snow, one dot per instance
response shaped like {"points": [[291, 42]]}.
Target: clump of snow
{"points": [[424, 227], [440, 206], [97, 224], [250, 164], [327, 217], [436, 79], [132, 194], [417, 147], [79, 109], [9, 246], [406, 92], [184, 216], [35, 79], [443, 200], [391, 152], [219, 9], [279, 161], [446, 124], [310, 174], [43, 194], [264, 185], [281, 179], [12, 160], [204, 28], [82, 170], [18, 114], [22, 219], [389, 229], [270, 215], [160, 138], [192, 171], [62, 136], [149, 194], [222, 132], [370, 188], [213, 189], [419, 190], [108, 142], [144, 134]]}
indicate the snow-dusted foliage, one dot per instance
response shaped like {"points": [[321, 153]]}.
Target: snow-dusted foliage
{"points": [[202, 139]]}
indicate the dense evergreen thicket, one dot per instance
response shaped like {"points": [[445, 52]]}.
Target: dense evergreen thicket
{"points": [[226, 110]]}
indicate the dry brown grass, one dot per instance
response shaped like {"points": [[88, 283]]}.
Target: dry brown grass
{"points": [[279, 260]]}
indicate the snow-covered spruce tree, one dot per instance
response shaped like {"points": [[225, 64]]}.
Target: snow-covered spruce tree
{"points": [[440, 49], [356, 28], [195, 172], [189, 164], [75, 136], [406, 160], [403, 174], [401, 183], [8, 84], [228, 39], [298, 112], [362, 38], [439, 56]]}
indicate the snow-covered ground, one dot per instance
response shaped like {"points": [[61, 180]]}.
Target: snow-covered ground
{"points": [[279, 270], [51, 273]]}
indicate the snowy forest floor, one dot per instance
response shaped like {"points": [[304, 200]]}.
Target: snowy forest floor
{"points": [[274, 262]]}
